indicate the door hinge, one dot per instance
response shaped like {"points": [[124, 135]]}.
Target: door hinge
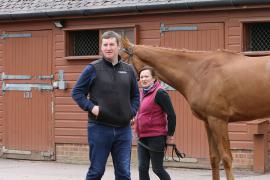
{"points": [[3, 36], [164, 28]]}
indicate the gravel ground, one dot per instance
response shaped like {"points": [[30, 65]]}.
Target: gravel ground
{"points": [[40, 170]]}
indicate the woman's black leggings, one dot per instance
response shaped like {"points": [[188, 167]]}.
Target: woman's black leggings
{"points": [[152, 148]]}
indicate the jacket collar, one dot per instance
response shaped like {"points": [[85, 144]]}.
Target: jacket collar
{"points": [[110, 63], [156, 84]]}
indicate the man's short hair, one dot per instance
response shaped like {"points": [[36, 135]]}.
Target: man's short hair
{"points": [[111, 34]]}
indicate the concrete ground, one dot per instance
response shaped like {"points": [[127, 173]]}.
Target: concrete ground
{"points": [[40, 170]]}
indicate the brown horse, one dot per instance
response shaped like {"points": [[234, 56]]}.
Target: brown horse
{"points": [[220, 87]]}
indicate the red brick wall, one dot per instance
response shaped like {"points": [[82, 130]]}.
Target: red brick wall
{"points": [[242, 159], [78, 154], [72, 153]]}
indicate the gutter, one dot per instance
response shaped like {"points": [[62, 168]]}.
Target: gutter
{"points": [[140, 8]]}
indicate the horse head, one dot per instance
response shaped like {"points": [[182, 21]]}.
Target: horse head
{"points": [[128, 54]]}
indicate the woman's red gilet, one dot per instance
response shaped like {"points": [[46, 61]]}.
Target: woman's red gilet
{"points": [[151, 119]]}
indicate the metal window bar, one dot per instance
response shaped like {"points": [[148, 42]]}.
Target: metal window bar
{"points": [[259, 37], [85, 42]]}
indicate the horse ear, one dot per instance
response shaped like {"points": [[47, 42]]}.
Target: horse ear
{"points": [[125, 42]]}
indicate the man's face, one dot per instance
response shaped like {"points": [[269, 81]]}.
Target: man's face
{"points": [[110, 48]]}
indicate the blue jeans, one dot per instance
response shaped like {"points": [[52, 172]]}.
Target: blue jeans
{"points": [[104, 140], [145, 155]]}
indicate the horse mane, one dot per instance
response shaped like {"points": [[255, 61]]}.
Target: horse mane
{"points": [[201, 51], [127, 44]]}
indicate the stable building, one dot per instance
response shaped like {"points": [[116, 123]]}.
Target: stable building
{"points": [[44, 45]]}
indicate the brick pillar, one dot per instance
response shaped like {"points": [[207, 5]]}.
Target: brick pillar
{"points": [[259, 130]]}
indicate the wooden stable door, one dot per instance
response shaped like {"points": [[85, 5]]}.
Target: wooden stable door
{"points": [[190, 134], [27, 93]]}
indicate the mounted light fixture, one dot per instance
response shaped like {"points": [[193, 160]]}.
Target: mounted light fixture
{"points": [[59, 23]]}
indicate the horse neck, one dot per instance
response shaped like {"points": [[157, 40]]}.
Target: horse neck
{"points": [[173, 67]]}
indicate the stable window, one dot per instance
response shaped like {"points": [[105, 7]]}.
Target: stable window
{"points": [[85, 44], [257, 36]]}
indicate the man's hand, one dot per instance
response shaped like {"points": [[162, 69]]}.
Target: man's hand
{"points": [[95, 110]]}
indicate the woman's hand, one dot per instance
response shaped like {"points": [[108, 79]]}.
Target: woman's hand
{"points": [[170, 140], [132, 122]]}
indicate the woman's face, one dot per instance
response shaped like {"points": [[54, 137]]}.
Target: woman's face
{"points": [[146, 78]]}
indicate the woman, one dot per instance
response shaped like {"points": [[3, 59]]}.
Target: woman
{"points": [[155, 124]]}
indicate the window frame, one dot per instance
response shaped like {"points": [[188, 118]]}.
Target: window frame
{"points": [[244, 40], [99, 28]]}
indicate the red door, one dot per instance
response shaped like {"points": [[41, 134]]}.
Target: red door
{"points": [[190, 134], [28, 125]]}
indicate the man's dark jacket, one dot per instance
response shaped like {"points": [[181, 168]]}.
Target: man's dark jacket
{"points": [[111, 87]]}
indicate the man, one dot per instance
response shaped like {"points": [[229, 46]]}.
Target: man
{"points": [[113, 101]]}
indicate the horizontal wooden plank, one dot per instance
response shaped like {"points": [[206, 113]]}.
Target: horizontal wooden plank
{"points": [[68, 108], [70, 69], [61, 93], [31, 25], [71, 139], [65, 62], [72, 76], [151, 42], [64, 115], [59, 53], [71, 84], [1, 129], [192, 18], [238, 127], [241, 145], [59, 37], [58, 31], [233, 22], [82, 58], [70, 124], [59, 45], [239, 136], [70, 132], [234, 47], [234, 40], [234, 31], [64, 101], [151, 34], [149, 25]]}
